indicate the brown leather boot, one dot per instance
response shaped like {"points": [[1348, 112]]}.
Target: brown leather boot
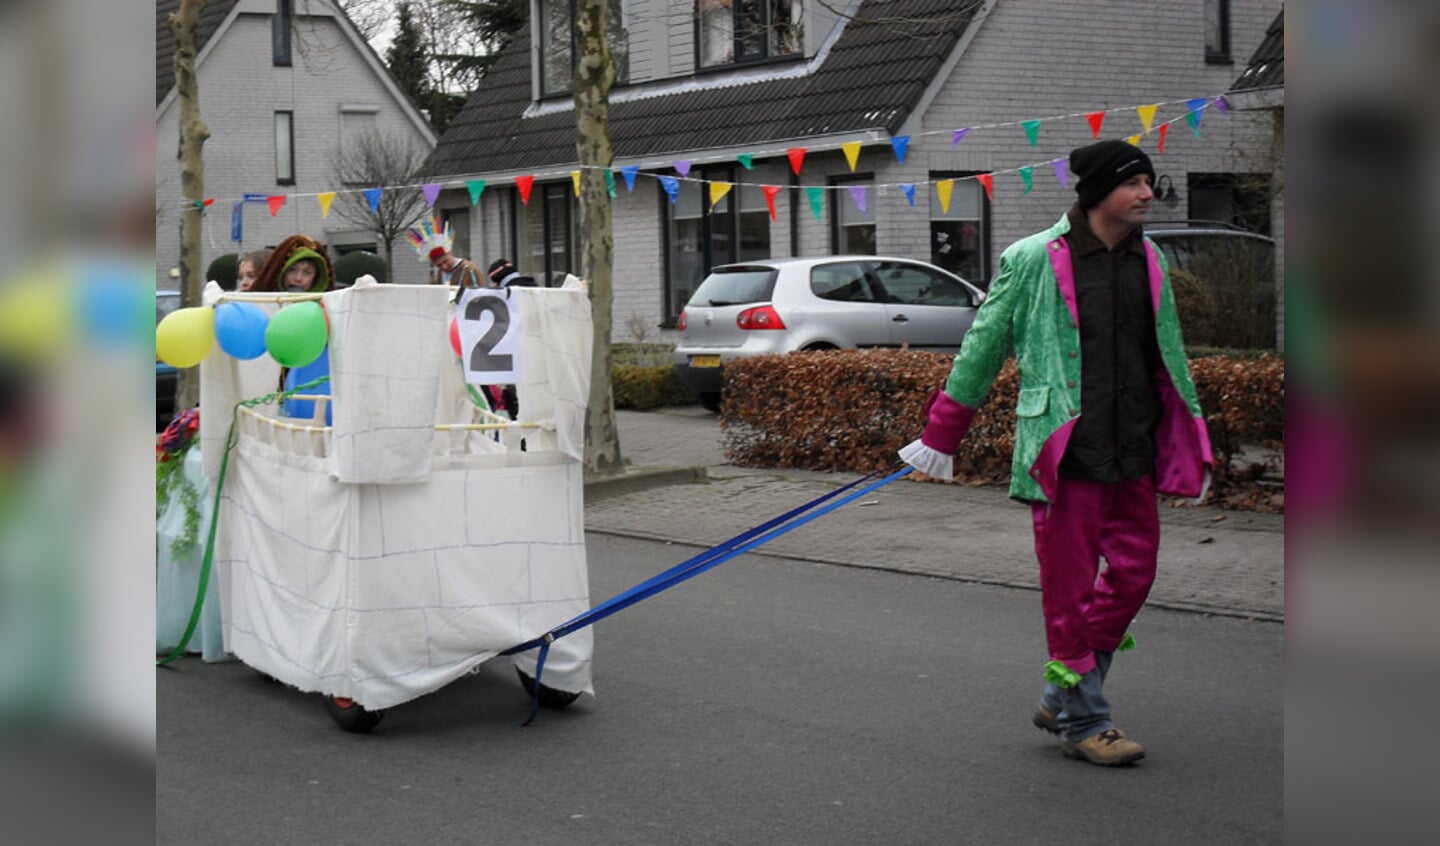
{"points": [[1109, 748], [1045, 720]]}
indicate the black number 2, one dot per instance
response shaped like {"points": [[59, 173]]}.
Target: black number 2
{"points": [[480, 358]]}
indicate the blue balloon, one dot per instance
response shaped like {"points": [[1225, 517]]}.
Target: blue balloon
{"points": [[240, 329]]}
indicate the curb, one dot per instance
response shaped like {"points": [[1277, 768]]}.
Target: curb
{"points": [[640, 479]]}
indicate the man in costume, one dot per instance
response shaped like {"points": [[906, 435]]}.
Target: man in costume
{"points": [[1106, 417], [432, 242]]}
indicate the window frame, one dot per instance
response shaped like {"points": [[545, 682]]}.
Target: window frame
{"points": [[1217, 54], [280, 24], [737, 36], [619, 53], [986, 226], [734, 203], [838, 207], [289, 116]]}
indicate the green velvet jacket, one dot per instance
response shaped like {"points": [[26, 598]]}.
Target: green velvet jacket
{"points": [[1031, 311]]}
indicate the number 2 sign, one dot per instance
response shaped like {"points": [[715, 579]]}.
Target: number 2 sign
{"points": [[489, 325]]}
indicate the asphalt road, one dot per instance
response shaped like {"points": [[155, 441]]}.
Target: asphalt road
{"points": [[767, 701]]}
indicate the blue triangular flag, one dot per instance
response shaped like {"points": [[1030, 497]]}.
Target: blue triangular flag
{"points": [[672, 187], [372, 196], [629, 172], [900, 143], [908, 189]]}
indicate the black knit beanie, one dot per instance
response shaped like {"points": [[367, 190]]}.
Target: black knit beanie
{"points": [[1104, 165], [498, 268]]}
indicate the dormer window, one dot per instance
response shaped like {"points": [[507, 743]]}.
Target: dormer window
{"points": [[738, 31], [556, 31]]}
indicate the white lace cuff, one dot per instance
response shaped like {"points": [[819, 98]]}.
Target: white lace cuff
{"points": [[931, 462]]}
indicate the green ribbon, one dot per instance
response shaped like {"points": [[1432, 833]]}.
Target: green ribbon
{"points": [[215, 511]]}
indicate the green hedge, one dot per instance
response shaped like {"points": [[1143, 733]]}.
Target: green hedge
{"points": [[638, 387]]}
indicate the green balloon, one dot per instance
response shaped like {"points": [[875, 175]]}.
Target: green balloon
{"points": [[297, 334]]}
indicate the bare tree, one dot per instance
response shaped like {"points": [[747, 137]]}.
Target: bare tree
{"points": [[371, 160], [193, 133], [594, 75]]}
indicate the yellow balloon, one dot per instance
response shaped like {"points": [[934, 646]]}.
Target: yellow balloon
{"points": [[185, 336]]}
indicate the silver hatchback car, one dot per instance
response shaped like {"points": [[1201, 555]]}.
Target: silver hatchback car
{"points": [[821, 303]]}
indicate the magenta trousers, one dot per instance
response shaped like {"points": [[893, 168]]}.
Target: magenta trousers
{"points": [[1086, 521]]}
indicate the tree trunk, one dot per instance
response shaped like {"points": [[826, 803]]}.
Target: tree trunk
{"points": [[193, 133], [594, 74]]}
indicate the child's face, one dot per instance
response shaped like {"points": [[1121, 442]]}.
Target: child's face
{"points": [[300, 276], [248, 275]]}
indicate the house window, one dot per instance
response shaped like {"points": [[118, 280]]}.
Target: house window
{"points": [[1217, 31], [359, 125], [960, 235], [737, 229], [852, 231], [280, 25], [557, 44], [285, 148], [1237, 199], [736, 31], [548, 231]]}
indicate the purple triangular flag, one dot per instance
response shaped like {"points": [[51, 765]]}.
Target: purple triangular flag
{"points": [[682, 167], [956, 135], [901, 143], [671, 186], [857, 193], [1221, 105], [1062, 172], [432, 192], [629, 172]]}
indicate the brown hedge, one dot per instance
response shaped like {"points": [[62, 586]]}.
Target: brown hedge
{"points": [[851, 410]]}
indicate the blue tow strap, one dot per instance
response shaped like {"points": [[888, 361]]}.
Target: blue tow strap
{"points": [[691, 567]]}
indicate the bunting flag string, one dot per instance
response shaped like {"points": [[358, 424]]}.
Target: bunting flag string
{"points": [[1193, 113]]}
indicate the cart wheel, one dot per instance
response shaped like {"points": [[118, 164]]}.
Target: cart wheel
{"points": [[350, 716], [549, 696]]}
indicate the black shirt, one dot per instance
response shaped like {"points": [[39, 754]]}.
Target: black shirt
{"points": [[1114, 439]]}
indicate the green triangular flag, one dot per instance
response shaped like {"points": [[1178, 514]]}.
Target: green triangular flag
{"points": [[1032, 130], [1193, 118], [817, 201], [476, 187], [610, 183], [746, 160], [1025, 177]]}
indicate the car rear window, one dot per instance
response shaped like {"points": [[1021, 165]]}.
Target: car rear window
{"points": [[735, 286]]}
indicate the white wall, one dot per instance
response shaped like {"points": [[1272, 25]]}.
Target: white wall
{"points": [[240, 89]]}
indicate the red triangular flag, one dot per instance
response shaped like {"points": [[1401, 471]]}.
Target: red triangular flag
{"points": [[797, 156], [1095, 118], [275, 201], [523, 184], [1164, 128], [988, 180], [770, 192]]}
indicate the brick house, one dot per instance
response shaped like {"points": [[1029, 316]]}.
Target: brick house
{"points": [[283, 85], [717, 83]]}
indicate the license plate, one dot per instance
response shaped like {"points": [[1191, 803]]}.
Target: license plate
{"points": [[704, 361]]}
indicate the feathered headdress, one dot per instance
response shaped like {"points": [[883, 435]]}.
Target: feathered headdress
{"points": [[431, 240]]}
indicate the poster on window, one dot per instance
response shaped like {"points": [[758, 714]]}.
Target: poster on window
{"points": [[489, 324]]}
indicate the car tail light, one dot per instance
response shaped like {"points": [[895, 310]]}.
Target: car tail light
{"points": [[760, 317], [680, 324]]}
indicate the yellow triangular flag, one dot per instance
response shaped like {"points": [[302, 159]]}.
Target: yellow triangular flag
{"points": [[575, 177], [943, 189], [718, 190], [1134, 140], [325, 198], [1147, 114], [852, 153]]}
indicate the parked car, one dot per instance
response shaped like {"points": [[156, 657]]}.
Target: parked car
{"points": [[1224, 280], [786, 305], [166, 377]]}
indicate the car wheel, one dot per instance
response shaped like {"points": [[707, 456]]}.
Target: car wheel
{"points": [[350, 716], [710, 401], [549, 696], [817, 347]]}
